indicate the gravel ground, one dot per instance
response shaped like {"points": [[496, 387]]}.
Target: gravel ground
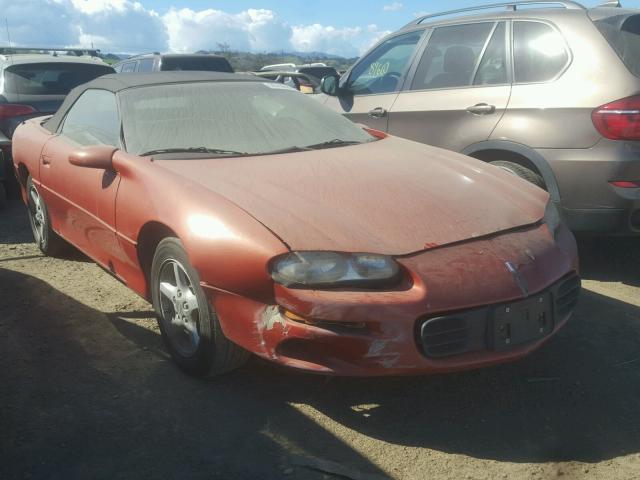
{"points": [[87, 391]]}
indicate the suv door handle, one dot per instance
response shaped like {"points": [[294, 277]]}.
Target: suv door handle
{"points": [[46, 160], [377, 112], [482, 109]]}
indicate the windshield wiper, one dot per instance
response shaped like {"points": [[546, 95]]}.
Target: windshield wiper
{"points": [[293, 148], [215, 151], [336, 142]]}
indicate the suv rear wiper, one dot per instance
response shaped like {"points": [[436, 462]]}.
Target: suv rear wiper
{"points": [[215, 151], [336, 142]]}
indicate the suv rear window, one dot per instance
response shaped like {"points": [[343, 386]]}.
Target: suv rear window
{"points": [[50, 78], [539, 52], [623, 34], [208, 64]]}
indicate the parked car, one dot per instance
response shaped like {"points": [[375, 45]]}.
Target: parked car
{"points": [[550, 94], [257, 220], [305, 78], [300, 81], [35, 84], [156, 62]]}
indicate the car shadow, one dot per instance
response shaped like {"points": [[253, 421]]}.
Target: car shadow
{"points": [[14, 224], [610, 259], [15, 230], [573, 400], [89, 395]]}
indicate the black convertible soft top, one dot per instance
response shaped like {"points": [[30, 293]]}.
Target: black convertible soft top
{"points": [[116, 82]]}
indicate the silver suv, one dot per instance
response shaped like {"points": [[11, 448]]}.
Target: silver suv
{"points": [[551, 94]]}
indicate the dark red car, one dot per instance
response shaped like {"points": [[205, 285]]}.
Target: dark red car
{"points": [[257, 220]]}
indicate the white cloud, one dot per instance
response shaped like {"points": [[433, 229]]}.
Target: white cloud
{"points": [[327, 39], [255, 30], [392, 7], [129, 26]]}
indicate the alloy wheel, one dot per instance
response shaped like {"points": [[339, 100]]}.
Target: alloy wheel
{"points": [[180, 312]]}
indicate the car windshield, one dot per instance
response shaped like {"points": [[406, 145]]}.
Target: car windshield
{"points": [[229, 118], [55, 78]]}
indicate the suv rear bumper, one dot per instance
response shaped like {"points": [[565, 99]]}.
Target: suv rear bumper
{"points": [[590, 202]]}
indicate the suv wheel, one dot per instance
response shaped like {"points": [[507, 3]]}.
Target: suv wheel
{"points": [[522, 172]]}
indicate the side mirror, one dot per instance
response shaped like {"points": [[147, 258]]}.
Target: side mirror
{"points": [[95, 156], [329, 85]]}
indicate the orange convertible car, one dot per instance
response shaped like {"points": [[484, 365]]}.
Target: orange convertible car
{"points": [[256, 220]]}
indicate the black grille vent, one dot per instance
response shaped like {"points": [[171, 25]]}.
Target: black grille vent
{"points": [[566, 296], [454, 334], [444, 336]]}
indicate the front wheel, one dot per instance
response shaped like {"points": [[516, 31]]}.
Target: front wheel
{"points": [[189, 325], [48, 241]]}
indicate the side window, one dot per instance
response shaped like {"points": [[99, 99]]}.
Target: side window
{"points": [[128, 67], [539, 52], [145, 65], [451, 56], [93, 119], [382, 70], [493, 66]]}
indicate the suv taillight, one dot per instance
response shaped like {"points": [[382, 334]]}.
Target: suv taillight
{"points": [[619, 120], [8, 110]]}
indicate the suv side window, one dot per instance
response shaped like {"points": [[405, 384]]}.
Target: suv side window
{"points": [[383, 69], [452, 54], [93, 119], [145, 65], [128, 67], [539, 52]]}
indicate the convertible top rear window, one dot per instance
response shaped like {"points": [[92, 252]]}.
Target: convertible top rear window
{"points": [[247, 117]]}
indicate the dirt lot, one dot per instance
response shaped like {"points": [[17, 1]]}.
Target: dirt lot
{"points": [[88, 391]]}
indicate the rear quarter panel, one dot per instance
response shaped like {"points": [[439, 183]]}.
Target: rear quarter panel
{"points": [[557, 114], [27, 143]]}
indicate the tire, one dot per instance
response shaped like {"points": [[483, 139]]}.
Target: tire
{"points": [[189, 325], [3, 196], [48, 241], [522, 172]]}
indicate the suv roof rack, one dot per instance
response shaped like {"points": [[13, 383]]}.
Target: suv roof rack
{"points": [[613, 4], [513, 6], [78, 52]]}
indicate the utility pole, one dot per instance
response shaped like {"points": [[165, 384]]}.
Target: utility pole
{"points": [[6, 24]]}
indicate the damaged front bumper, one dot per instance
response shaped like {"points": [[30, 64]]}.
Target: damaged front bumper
{"points": [[467, 288]]}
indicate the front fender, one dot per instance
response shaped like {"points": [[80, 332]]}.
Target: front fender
{"points": [[226, 245]]}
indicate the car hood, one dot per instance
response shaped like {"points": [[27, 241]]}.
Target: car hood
{"points": [[390, 196]]}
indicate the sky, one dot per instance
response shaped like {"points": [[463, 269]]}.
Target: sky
{"points": [[340, 27]]}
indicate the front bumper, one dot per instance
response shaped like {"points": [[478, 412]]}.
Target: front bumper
{"points": [[365, 333]]}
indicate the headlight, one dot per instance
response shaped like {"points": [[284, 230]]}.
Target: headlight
{"points": [[334, 269], [552, 217]]}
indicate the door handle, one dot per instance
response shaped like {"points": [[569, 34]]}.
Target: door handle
{"points": [[482, 109], [46, 160], [377, 112]]}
